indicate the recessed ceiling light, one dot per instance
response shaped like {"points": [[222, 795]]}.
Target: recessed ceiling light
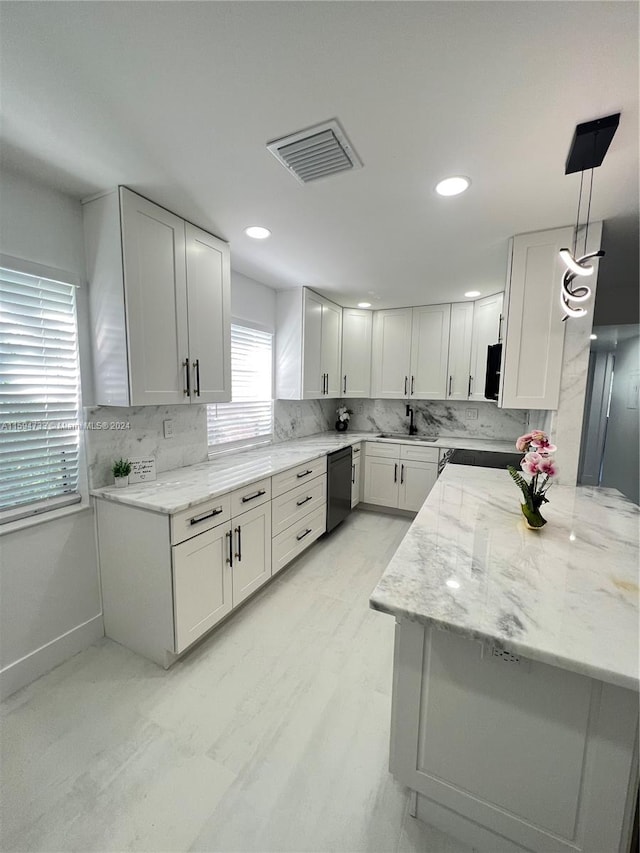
{"points": [[257, 232], [453, 186], [471, 294], [364, 305], [593, 337]]}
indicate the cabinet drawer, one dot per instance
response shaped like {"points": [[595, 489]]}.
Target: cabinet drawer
{"points": [[386, 449], [249, 496], [295, 539], [419, 453], [356, 450], [199, 518], [289, 508], [293, 477]]}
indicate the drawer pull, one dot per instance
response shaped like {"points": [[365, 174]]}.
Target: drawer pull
{"points": [[304, 473], [253, 496], [356, 450], [304, 500], [205, 515], [302, 535]]}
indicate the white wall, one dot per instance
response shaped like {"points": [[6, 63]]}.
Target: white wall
{"points": [[252, 301], [621, 461], [49, 589]]}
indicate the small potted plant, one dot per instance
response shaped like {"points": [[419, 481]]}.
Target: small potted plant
{"points": [[343, 418], [121, 470]]}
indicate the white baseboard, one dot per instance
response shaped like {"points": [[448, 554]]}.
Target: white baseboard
{"points": [[37, 663]]}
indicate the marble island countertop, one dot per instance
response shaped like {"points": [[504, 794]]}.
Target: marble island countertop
{"points": [[566, 595], [183, 488]]}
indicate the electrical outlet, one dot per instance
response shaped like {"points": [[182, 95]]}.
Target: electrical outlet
{"points": [[472, 414], [360, 408], [168, 428], [298, 411]]}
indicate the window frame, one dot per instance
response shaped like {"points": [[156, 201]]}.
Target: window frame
{"points": [[26, 515], [215, 450]]}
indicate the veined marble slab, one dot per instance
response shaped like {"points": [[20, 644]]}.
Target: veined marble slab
{"points": [[566, 595], [185, 487]]}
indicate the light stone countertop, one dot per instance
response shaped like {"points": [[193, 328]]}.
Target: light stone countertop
{"points": [[183, 488], [566, 595]]}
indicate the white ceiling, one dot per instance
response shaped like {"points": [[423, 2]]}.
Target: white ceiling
{"points": [[177, 100]]}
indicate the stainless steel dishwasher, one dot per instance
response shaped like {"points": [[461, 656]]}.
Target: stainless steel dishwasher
{"points": [[338, 487]]}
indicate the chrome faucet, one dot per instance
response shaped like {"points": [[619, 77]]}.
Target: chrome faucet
{"points": [[413, 429]]}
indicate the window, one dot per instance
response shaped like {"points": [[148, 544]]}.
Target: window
{"points": [[39, 395], [248, 419]]}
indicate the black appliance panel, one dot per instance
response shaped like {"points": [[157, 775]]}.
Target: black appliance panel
{"points": [[338, 487], [494, 361]]}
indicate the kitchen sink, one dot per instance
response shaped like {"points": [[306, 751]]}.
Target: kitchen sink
{"points": [[406, 436]]}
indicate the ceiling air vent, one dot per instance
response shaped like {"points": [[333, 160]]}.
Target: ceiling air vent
{"points": [[316, 152]]}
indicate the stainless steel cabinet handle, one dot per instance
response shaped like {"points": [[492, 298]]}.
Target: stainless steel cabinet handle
{"points": [[344, 384], [196, 368], [500, 329], [327, 391], [406, 379], [302, 535], [205, 515], [356, 450], [239, 551], [304, 473], [413, 382], [353, 474], [230, 557], [187, 390], [395, 473], [450, 381], [401, 474], [304, 500], [253, 496], [470, 381]]}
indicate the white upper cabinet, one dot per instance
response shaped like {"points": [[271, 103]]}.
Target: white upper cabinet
{"points": [[459, 381], [209, 313], [429, 352], [487, 330], [159, 292], [356, 352], [534, 332], [308, 346], [391, 353]]}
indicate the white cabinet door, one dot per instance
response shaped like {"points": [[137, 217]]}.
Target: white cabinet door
{"points": [[391, 354], [459, 387], [381, 481], [487, 324], [416, 481], [209, 313], [355, 482], [534, 334], [251, 551], [430, 351], [312, 373], [153, 247], [357, 326], [331, 348], [202, 586]]}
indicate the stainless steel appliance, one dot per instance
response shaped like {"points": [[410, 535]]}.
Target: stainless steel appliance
{"points": [[338, 487]]}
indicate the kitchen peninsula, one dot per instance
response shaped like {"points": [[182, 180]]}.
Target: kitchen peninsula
{"points": [[515, 705]]}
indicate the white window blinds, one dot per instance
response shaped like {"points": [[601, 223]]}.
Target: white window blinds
{"points": [[39, 395], [249, 417]]}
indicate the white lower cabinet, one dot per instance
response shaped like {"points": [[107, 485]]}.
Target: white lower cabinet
{"points": [[399, 476], [299, 510], [251, 552], [202, 584], [356, 456]]}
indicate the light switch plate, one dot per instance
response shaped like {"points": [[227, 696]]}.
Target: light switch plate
{"points": [[167, 427]]}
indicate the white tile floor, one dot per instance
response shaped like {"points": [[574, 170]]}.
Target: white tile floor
{"points": [[272, 735]]}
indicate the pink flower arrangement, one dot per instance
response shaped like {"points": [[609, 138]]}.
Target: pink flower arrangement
{"points": [[539, 463]]}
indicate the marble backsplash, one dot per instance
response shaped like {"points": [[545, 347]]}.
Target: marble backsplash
{"points": [[141, 433], [143, 436], [433, 417]]}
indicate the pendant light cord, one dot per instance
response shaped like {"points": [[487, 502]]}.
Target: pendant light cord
{"points": [[575, 233]]}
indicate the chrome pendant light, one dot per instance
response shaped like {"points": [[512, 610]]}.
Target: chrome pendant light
{"points": [[588, 147]]}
